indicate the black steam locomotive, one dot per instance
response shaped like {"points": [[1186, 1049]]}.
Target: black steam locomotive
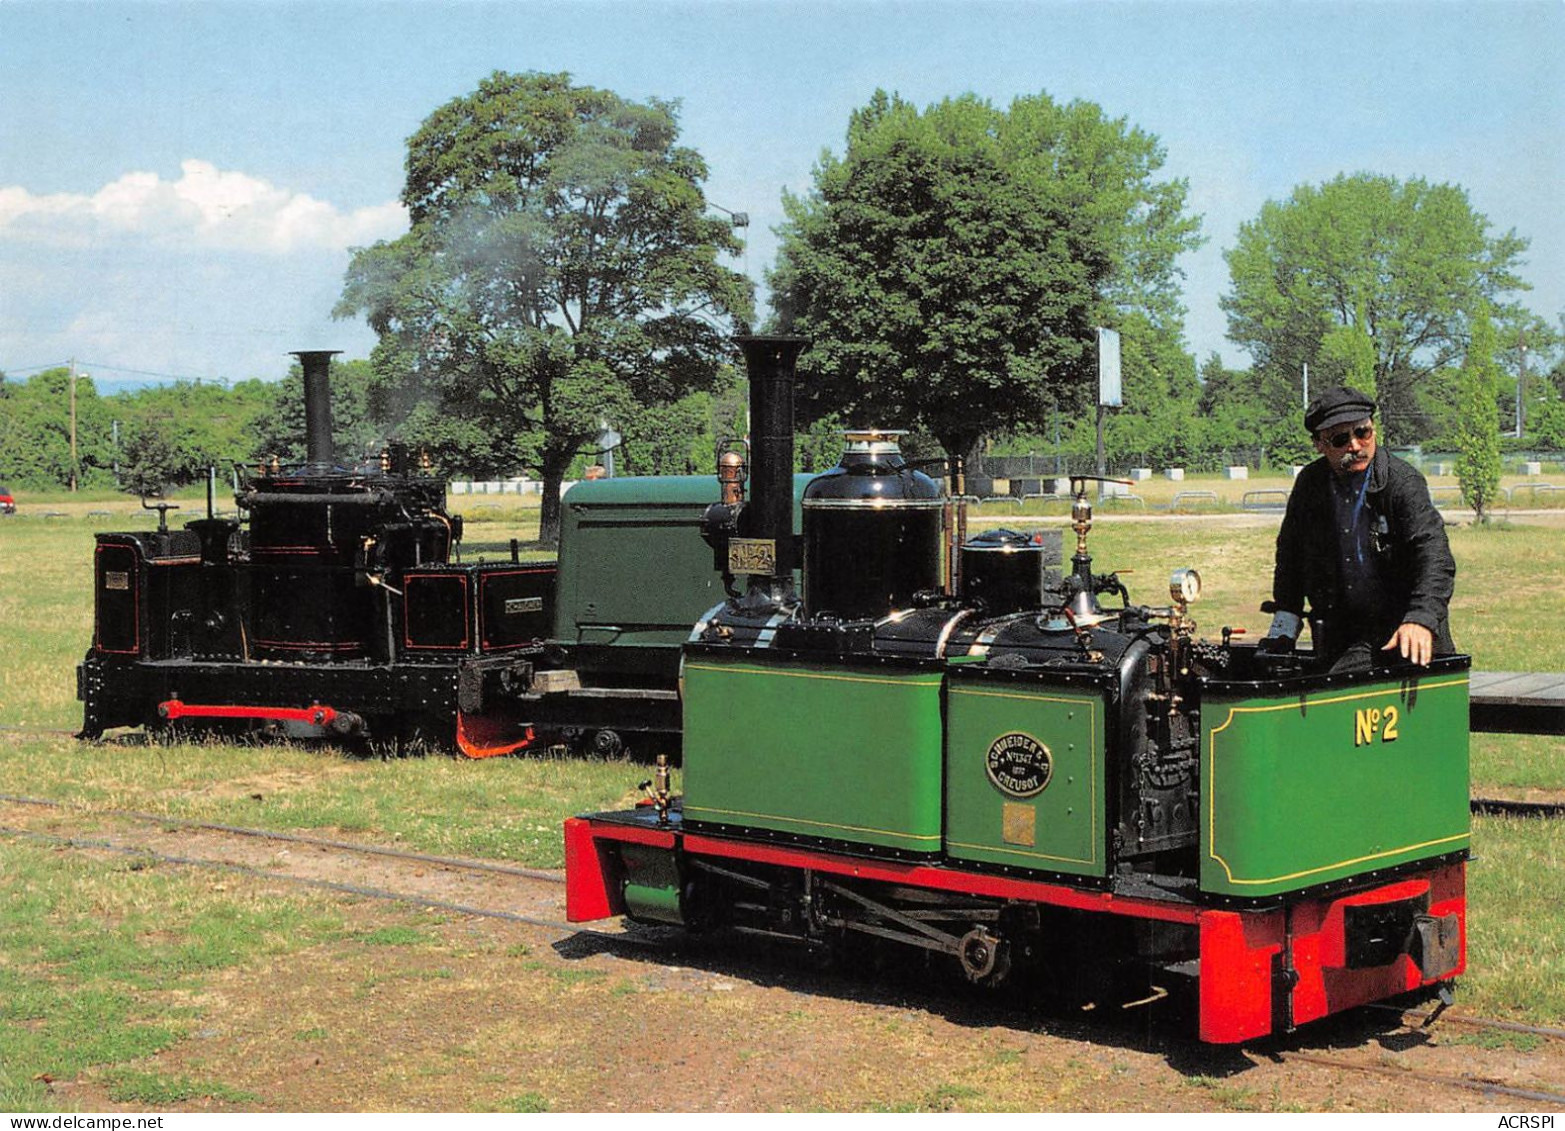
{"points": [[341, 610], [337, 610]]}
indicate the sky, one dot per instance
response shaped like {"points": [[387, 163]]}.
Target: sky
{"points": [[180, 183]]}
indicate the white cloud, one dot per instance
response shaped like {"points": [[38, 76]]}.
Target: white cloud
{"points": [[206, 208]]}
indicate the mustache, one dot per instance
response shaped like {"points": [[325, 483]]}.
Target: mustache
{"points": [[1348, 459]]}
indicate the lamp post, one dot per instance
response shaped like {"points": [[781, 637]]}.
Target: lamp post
{"points": [[1521, 384], [75, 470], [738, 220]]}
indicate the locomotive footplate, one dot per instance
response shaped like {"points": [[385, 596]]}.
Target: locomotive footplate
{"points": [[120, 694], [632, 710], [1259, 970]]}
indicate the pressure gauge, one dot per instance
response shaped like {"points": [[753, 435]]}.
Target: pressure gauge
{"points": [[1185, 585]]}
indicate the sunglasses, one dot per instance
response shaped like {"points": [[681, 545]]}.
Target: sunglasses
{"points": [[1340, 439]]}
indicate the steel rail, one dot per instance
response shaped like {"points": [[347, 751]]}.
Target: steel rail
{"points": [[454, 862], [94, 845], [1473, 1022], [1486, 1087], [1501, 807]]}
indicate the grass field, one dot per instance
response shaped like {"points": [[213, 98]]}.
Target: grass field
{"points": [[101, 965]]}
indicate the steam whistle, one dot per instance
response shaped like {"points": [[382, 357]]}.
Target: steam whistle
{"points": [[1084, 602]]}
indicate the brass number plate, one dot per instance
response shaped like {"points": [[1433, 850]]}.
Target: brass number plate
{"points": [[752, 555]]}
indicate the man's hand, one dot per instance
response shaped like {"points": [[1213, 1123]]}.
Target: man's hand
{"points": [[1416, 643], [1274, 646], [1279, 638]]}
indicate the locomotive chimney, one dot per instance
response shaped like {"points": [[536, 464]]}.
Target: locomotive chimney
{"points": [[769, 361], [317, 405]]}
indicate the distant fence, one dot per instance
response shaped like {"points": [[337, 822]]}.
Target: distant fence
{"points": [[1058, 464], [1037, 466]]}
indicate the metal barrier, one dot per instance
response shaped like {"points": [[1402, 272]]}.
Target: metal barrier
{"points": [[1535, 488], [1187, 497], [1265, 499], [1447, 495], [1127, 497]]}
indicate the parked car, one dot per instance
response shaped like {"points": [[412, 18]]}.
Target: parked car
{"points": [[7, 503]]}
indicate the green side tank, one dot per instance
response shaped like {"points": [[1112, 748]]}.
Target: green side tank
{"points": [[1025, 770], [1325, 778], [805, 750]]}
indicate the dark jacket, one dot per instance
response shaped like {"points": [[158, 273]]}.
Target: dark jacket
{"points": [[1420, 571]]}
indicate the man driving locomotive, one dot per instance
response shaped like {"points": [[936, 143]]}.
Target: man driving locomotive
{"points": [[1363, 545]]}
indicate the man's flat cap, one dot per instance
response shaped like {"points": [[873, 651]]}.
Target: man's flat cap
{"points": [[1341, 405]]}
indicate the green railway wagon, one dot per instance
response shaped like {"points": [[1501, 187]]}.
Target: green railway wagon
{"points": [[1319, 779], [634, 572]]}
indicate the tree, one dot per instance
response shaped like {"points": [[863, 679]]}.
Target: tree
{"points": [[670, 439], [35, 431], [1405, 265], [1546, 421], [1346, 357], [171, 434], [560, 271], [952, 264], [1478, 428], [1525, 346], [148, 459]]}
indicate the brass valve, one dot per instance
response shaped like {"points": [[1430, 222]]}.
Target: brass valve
{"points": [[658, 788]]}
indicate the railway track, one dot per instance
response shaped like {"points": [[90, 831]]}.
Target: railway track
{"points": [[452, 862], [100, 844], [1487, 1087], [551, 881]]}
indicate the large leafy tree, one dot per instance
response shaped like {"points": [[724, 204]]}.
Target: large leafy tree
{"points": [[1366, 278], [560, 271], [952, 264], [35, 431]]}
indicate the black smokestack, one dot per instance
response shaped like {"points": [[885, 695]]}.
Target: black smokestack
{"points": [[769, 513], [317, 405]]}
